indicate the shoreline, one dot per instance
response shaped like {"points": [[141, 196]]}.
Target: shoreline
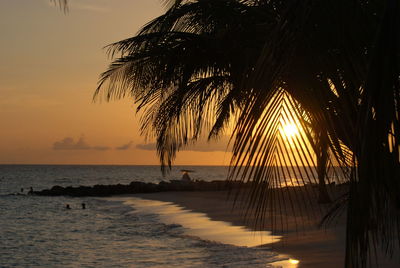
{"points": [[291, 212], [313, 246]]}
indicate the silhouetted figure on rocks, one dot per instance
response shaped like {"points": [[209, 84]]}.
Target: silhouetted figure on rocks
{"points": [[185, 176], [67, 206], [83, 206]]}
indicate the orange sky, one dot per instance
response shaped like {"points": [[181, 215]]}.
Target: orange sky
{"points": [[48, 73]]}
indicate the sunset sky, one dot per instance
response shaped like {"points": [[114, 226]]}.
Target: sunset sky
{"points": [[50, 66]]}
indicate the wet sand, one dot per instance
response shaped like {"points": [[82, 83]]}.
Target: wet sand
{"points": [[302, 238]]}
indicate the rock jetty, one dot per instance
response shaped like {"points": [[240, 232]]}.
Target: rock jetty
{"points": [[140, 187]]}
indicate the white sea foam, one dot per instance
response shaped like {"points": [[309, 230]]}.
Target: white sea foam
{"points": [[201, 226], [39, 232]]}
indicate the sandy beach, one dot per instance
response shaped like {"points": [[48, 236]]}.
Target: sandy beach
{"points": [[302, 238]]}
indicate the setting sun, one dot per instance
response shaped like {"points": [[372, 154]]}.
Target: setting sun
{"points": [[290, 130], [215, 133]]}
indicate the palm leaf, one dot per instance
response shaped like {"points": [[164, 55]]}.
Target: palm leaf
{"points": [[62, 4], [266, 64]]}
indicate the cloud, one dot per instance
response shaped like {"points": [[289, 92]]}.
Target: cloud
{"points": [[125, 146], [201, 146], [147, 147], [69, 143]]}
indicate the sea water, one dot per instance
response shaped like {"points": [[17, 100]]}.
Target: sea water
{"points": [[38, 231]]}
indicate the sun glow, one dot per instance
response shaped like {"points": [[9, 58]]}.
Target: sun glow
{"points": [[290, 130], [293, 261], [288, 263]]}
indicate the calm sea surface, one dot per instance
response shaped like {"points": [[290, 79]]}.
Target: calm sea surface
{"points": [[40, 232]]}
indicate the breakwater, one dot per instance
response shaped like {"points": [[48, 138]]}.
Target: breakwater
{"points": [[140, 187]]}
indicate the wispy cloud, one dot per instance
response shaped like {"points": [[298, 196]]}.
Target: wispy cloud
{"points": [[69, 143], [125, 146], [146, 146]]}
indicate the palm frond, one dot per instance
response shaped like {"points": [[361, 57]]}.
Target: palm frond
{"points": [[331, 68], [62, 4]]}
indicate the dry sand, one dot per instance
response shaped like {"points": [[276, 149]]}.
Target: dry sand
{"points": [[302, 239]]}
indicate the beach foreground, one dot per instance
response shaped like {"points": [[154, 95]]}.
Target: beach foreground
{"points": [[302, 238]]}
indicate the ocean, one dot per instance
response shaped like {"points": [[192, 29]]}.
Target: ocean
{"points": [[111, 232]]}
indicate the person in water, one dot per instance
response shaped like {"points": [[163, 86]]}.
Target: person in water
{"points": [[83, 206], [67, 206], [30, 190]]}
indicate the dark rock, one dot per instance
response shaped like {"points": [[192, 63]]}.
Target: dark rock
{"points": [[141, 187]]}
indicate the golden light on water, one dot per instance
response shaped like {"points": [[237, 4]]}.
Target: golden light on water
{"points": [[288, 263], [200, 225], [293, 261]]}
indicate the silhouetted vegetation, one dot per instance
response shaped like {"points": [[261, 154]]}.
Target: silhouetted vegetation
{"points": [[332, 67]]}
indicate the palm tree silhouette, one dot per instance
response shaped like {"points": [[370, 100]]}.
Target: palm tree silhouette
{"points": [[190, 66], [350, 65], [332, 67]]}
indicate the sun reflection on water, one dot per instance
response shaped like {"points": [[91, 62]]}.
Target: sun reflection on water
{"points": [[289, 263], [292, 261]]}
